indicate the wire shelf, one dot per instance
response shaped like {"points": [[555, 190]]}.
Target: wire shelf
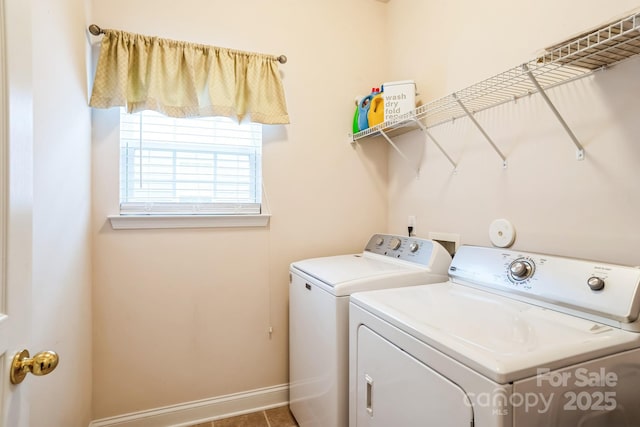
{"points": [[560, 64]]}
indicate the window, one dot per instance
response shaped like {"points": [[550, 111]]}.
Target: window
{"points": [[193, 166]]}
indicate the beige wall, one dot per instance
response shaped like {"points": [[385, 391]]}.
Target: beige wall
{"points": [[181, 315], [61, 291], [557, 204]]}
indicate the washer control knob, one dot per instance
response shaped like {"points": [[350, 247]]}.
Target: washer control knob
{"points": [[520, 270], [379, 241], [414, 246], [595, 283], [395, 243]]}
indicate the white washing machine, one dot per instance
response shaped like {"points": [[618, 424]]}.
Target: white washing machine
{"points": [[318, 317], [513, 339]]}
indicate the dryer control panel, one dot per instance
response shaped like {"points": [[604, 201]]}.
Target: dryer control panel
{"points": [[412, 249]]}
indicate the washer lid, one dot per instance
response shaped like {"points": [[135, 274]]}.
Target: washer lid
{"points": [[501, 338], [344, 274]]}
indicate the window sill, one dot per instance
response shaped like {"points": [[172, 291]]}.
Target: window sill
{"points": [[129, 222]]}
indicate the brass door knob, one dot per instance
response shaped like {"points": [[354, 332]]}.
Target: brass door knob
{"points": [[41, 364]]}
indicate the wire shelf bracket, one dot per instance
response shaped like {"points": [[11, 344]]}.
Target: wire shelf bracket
{"points": [[482, 131], [424, 129], [399, 151], [554, 110]]}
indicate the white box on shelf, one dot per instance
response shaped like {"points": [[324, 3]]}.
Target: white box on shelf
{"points": [[399, 99]]}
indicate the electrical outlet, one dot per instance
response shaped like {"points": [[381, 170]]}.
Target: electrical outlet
{"points": [[412, 225]]}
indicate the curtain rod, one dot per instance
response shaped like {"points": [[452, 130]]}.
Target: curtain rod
{"points": [[96, 31]]}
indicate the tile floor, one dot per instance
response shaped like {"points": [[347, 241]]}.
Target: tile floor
{"points": [[275, 417]]}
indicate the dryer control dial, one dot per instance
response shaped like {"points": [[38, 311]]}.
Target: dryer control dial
{"points": [[521, 269], [414, 246], [595, 283], [395, 243]]}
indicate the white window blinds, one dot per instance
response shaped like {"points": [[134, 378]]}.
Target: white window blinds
{"points": [[191, 166]]}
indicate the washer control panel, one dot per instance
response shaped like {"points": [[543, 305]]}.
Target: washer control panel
{"points": [[568, 284], [412, 249]]}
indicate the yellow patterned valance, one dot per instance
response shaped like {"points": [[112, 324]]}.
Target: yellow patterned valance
{"points": [[181, 79]]}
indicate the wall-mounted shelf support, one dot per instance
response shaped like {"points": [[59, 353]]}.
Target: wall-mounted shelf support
{"points": [[554, 110], [435, 141], [399, 151], [482, 131]]}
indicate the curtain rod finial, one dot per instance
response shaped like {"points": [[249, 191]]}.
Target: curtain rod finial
{"points": [[95, 30], [282, 59]]}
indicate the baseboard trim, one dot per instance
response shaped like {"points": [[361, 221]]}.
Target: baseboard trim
{"points": [[201, 411]]}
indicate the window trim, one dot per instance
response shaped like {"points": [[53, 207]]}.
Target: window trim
{"points": [[132, 222]]}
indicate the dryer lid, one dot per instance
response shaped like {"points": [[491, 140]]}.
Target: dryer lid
{"points": [[502, 338]]}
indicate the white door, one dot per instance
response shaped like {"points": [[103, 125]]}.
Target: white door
{"points": [[15, 201], [395, 389]]}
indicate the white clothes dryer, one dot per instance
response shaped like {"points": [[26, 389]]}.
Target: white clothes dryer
{"points": [[513, 339], [318, 316]]}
